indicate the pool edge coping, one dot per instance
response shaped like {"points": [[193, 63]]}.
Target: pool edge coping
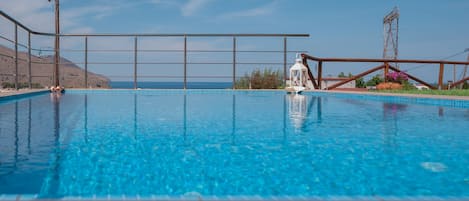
{"points": [[370, 93], [444, 97], [18, 197], [7, 95]]}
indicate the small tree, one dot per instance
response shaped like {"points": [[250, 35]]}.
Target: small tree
{"points": [[360, 83]]}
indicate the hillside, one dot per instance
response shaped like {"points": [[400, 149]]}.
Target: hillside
{"points": [[71, 76]]}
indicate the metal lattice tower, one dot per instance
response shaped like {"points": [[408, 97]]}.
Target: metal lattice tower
{"points": [[391, 32]]}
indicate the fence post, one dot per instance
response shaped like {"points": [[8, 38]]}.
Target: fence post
{"points": [[386, 70], [234, 62], [285, 60], [135, 62], [16, 57], [29, 61], [57, 44], [86, 61], [320, 74], [185, 62], [440, 76]]}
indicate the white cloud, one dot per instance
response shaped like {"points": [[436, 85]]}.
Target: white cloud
{"points": [[36, 15], [82, 30], [160, 1], [177, 43], [21, 7], [72, 19], [187, 7], [39, 16], [193, 6], [254, 12]]}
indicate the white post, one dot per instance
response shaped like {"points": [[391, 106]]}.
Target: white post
{"points": [[301, 78]]}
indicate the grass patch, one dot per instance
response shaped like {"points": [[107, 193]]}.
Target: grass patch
{"points": [[452, 92]]}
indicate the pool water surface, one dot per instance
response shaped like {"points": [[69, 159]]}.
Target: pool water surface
{"points": [[230, 143]]}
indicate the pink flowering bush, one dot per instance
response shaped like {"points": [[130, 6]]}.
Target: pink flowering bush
{"points": [[398, 77]]}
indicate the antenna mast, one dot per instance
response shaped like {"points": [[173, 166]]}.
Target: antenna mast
{"points": [[391, 32]]}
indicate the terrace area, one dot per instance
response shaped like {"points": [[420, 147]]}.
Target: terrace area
{"points": [[207, 116]]}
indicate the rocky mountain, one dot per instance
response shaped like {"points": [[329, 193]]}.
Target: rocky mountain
{"points": [[71, 75]]}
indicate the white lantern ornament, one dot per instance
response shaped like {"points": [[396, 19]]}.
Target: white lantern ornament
{"points": [[298, 77]]}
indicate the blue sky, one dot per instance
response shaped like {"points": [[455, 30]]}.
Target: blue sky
{"points": [[429, 29]]}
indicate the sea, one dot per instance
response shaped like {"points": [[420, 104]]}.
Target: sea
{"points": [[171, 85]]}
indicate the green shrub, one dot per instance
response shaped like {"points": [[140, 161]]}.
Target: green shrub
{"points": [[375, 80], [21, 85], [267, 79], [342, 74], [7, 85], [360, 83], [406, 85]]}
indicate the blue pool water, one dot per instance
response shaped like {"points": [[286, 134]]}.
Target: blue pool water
{"points": [[236, 143]]}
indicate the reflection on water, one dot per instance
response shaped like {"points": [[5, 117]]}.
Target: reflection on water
{"points": [[300, 108], [297, 109], [27, 130], [54, 167], [391, 109]]}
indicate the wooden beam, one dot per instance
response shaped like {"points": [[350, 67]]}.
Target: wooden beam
{"points": [[460, 82], [383, 60], [311, 76], [355, 77]]}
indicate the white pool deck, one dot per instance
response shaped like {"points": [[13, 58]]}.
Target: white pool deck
{"points": [[11, 92]]}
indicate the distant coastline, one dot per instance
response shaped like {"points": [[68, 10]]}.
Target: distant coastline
{"points": [[170, 85], [72, 76]]}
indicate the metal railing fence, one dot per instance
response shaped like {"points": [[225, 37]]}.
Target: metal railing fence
{"points": [[233, 51]]}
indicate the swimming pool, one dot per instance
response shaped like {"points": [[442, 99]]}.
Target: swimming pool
{"points": [[232, 143]]}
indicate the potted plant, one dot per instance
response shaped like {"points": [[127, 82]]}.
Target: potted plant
{"points": [[393, 80]]}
